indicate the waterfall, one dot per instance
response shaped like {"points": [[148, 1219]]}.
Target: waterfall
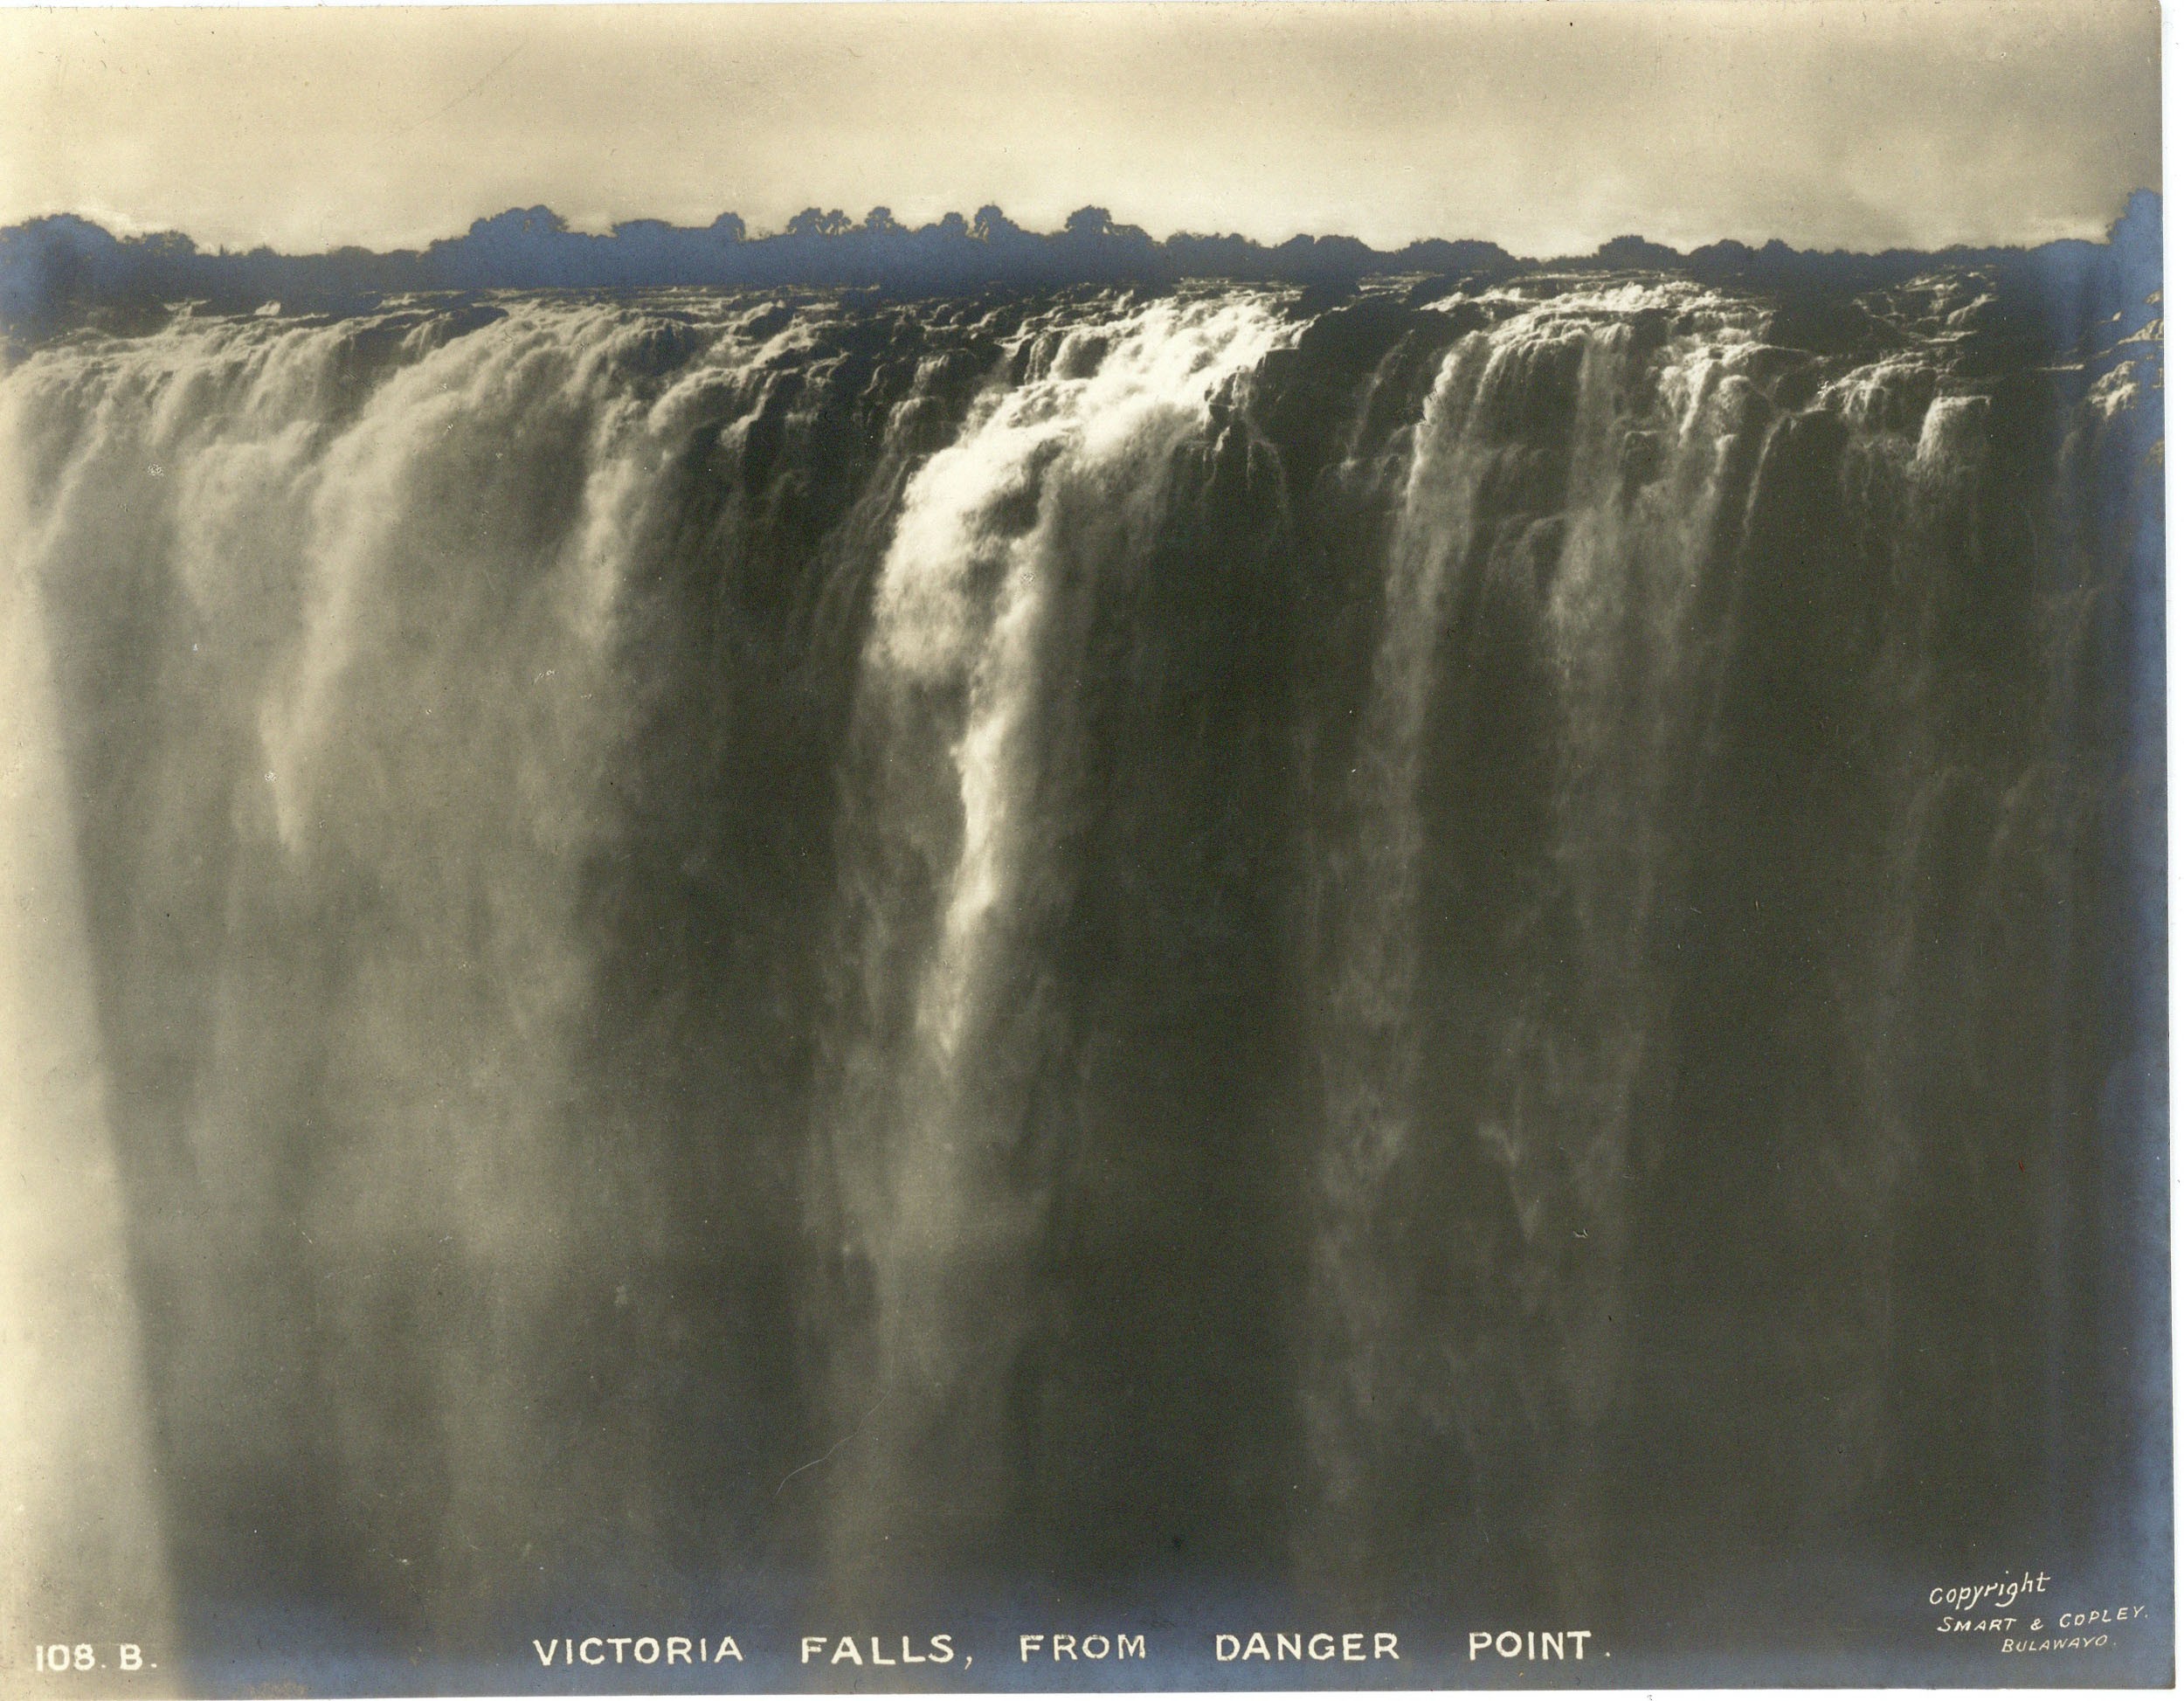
{"points": [[940, 1141], [836, 952], [76, 1431], [1559, 516]]}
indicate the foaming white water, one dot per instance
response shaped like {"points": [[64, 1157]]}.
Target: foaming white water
{"points": [[950, 870], [1370, 1061], [84, 1552], [1649, 431], [358, 608]]}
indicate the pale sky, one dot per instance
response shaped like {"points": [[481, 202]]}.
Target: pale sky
{"points": [[1544, 125]]}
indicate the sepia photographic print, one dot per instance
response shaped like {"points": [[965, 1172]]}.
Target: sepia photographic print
{"points": [[1066, 847]]}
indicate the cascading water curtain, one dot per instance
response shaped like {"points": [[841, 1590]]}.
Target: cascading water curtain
{"points": [[1185, 953]]}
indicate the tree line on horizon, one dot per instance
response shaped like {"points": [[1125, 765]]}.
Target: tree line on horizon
{"points": [[63, 270]]}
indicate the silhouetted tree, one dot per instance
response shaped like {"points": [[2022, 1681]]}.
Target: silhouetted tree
{"points": [[812, 222], [989, 224]]}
